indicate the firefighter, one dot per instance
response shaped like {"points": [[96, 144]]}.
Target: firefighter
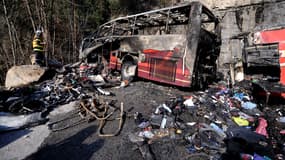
{"points": [[38, 58]]}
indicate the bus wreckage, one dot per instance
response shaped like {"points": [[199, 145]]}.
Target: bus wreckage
{"points": [[177, 45], [264, 57]]}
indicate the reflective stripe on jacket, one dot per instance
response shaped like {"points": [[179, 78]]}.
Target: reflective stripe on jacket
{"points": [[37, 46]]}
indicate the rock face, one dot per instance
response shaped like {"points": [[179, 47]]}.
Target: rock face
{"points": [[23, 75]]}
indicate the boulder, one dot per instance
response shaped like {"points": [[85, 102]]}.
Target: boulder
{"points": [[23, 75]]}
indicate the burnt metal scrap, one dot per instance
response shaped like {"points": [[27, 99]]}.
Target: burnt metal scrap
{"points": [[131, 26], [120, 27], [102, 112], [262, 55], [125, 26]]}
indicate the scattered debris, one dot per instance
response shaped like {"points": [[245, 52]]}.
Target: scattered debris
{"points": [[210, 122], [10, 122], [224, 117]]}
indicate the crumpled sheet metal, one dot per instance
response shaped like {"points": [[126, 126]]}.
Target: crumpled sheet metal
{"points": [[19, 76]]}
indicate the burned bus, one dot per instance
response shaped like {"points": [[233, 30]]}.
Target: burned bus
{"points": [[264, 60], [177, 45]]}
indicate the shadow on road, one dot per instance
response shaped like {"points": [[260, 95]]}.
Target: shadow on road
{"points": [[11, 136], [71, 148]]}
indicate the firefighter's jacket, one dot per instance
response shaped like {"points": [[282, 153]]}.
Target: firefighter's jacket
{"points": [[38, 44]]}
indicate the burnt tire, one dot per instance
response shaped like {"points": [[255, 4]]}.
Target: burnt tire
{"points": [[125, 73]]}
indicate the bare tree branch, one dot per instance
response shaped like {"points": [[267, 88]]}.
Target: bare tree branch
{"points": [[10, 32], [30, 14], [17, 39]]}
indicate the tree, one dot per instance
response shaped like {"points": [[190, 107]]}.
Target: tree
{"points": [[65, 23], [8, 22]]}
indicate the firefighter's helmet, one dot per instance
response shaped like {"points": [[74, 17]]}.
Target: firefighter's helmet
{"points": [[38, 33]]}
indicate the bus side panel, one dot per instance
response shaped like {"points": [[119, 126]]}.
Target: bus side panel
{"points": [[143, 69], [162, 67], [183, 77]]}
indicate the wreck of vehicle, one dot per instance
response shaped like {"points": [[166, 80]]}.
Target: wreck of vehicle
{"points": [[264, 54], [177, 45]]}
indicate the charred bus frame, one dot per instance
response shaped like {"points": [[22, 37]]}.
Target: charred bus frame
{"points": [[180, 41]]}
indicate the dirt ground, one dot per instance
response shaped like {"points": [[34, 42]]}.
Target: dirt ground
{"points": [[83, 142]]}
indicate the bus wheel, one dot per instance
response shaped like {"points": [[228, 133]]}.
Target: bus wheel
{"points": [[128, 71]]}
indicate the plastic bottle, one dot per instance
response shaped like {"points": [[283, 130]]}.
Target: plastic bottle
{"points": [[163, 122], [218, 129]]}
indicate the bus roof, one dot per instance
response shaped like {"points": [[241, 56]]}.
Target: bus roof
{"points": [[170, 15]]}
